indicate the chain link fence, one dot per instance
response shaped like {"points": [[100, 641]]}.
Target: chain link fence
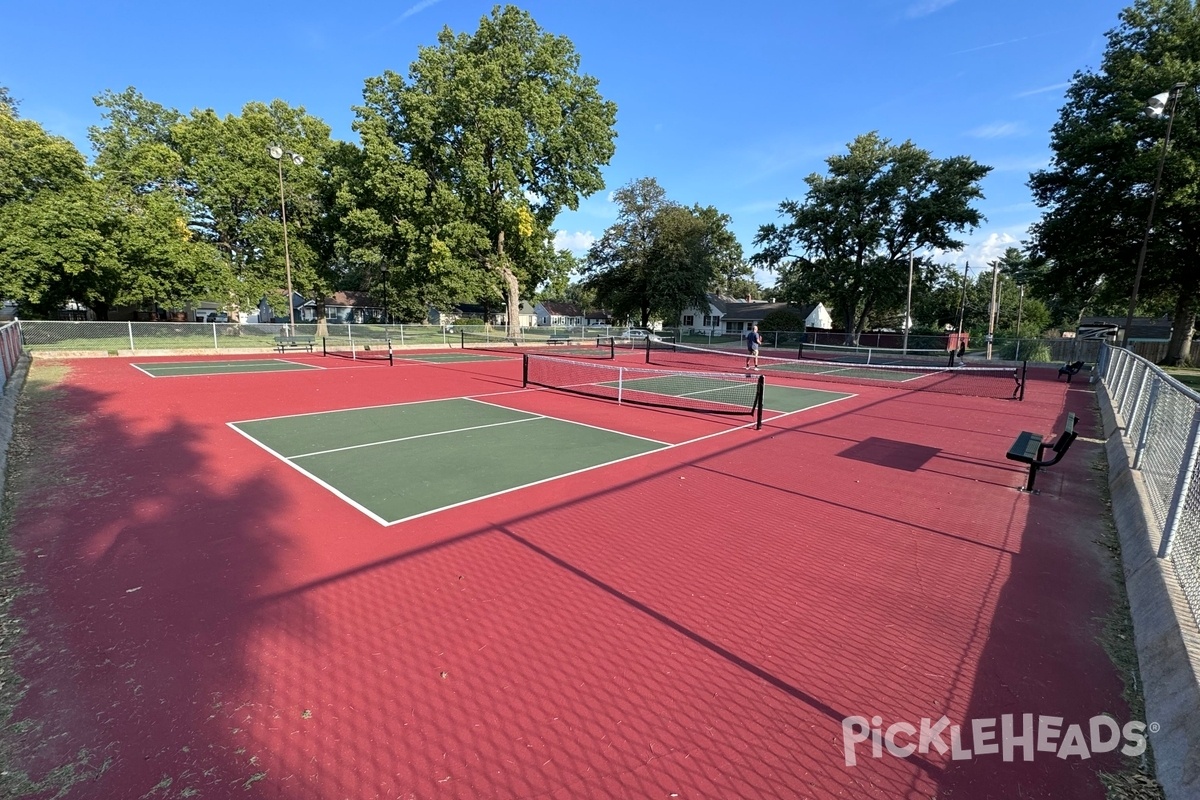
{"points": [[138, 337], [10, 352], [1162, 423]]}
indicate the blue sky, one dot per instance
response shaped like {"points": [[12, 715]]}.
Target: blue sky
{"points": [[729, 104]]}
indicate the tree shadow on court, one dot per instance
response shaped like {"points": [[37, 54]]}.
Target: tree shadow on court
{"points": [[138, 561], [699, 624]]}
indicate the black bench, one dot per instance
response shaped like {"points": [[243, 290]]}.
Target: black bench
{"points": [[1030, 449], [559, 338], [283, 343], [1070, 370]]}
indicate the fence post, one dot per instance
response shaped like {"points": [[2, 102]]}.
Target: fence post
{"points": [[1144, 433], [1137, 396], [129, 325], [215, 345], [1186, 472]]}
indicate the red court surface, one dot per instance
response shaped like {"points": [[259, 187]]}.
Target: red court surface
{"points": [[693, 623]]}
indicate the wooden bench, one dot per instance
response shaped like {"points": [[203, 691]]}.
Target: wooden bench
{"points": [[1071, 370], [283, 343], [1030, 449]]}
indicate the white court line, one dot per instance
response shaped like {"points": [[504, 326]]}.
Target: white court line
{"points": [[139, 369], [312, 477], [353, 408], [418, 436], [572, 422]]}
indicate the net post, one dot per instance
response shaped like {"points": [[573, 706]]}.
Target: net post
{"points": [[525, 370], [648, 350], [324, 348], [612, 347], [758, 400], [391, 359], [462, 339], [1024, 373]]}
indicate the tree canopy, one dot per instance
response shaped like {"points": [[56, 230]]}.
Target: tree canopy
{"points": [[497, 131], [659, 257], [1098, 189], [849, 240]]}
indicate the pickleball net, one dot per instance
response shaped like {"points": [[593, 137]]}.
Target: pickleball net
{"points": [[1005, 382], [357, 349], [601, 347], [857, 354], [705, 392]]}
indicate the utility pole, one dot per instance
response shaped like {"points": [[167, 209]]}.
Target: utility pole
{"points": [[992, 308], [962, 307], [908, 305]]}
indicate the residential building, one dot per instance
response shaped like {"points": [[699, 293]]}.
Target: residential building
{"points": [[726, 315]]}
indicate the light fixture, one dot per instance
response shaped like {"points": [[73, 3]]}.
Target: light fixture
{"points": [[1160, 105]]}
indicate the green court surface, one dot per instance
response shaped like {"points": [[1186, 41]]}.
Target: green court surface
{"points": [[403, 461], [171, 369], [790, 399], [450, 358]]}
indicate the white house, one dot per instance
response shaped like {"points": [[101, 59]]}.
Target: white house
{"points": [[726, 315], [565, 315]]}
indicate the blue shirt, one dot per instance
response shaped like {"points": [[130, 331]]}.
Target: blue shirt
{"points": [[753, 339]]}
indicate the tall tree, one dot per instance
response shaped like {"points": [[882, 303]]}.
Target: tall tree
{"points": [[501, 124], [849, 240], [658, 257], [234, 196], [1098, 190]]}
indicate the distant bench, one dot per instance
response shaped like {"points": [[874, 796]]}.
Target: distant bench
{"points": [[1071, 370], [1029, 449], [283, 343], [559, 338]]}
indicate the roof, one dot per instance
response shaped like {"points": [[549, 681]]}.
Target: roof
{"points": [[757, 312], [349, 300], [560, 309]]}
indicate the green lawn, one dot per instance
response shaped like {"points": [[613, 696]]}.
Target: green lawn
{"points": [[1188, 376]]}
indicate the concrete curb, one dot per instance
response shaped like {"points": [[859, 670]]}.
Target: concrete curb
{"points": [[1165, 631]]}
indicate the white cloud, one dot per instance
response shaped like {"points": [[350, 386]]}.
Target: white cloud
{"points": [[981, 252], [417, 9], [577, 242], [996, 130], [1052, 88], [926, 7]]}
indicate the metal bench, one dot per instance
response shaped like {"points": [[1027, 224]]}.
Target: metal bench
{"points": [[1071, 370], [1029, 448], [283, 343]]}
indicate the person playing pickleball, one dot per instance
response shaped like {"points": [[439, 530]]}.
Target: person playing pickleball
{"points": [[753, 342]]}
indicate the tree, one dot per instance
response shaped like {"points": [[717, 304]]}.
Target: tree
{"points": [[233, 195], [850, 239], [141, 174], [1098, 190], [658, 257], [505, 132]]}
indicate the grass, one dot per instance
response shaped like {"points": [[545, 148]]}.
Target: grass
{"points": [[32, 465], [1188, 376]]}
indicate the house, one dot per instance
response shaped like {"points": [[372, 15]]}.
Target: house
{"points": [[1144, 329], [726, 315], [596, 318], [550, 312], [343, 307]]}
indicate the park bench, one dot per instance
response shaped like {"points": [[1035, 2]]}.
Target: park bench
{"points": [[283, 343], [1070, 370], [1030, 449], [559, 338]]}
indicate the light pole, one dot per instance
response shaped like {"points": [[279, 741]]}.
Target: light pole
{"points": [[1162, 104], [908, 304], [276, 152], [1020, 306]]}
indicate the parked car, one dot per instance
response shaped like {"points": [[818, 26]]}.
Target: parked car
{"points": [[635, 333], [215, 317]]}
